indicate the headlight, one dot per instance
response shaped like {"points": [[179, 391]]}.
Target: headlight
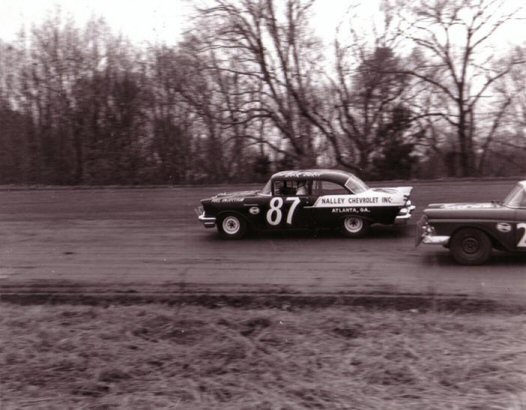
{"points": [[429, 230]]}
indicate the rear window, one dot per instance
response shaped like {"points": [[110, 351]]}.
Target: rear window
{"points": [[356, 185], [329, 188]]}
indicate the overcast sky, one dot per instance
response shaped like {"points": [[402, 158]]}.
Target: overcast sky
{"points": [[165, 20], [141, 20]]}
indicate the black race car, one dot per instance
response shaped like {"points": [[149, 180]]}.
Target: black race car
{"points": [[471, 230], [307, 199]]}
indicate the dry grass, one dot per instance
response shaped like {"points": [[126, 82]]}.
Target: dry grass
{"points": [[161, 357]]}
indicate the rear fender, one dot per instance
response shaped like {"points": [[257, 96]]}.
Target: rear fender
{"points": [[366, 219], [405, 190]]}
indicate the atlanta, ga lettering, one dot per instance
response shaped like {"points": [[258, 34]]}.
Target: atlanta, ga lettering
{"points": [[350, 210]]}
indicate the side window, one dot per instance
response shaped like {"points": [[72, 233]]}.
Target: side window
{"points": [[278, 188], [522, 202], [303, 188], [330, 188], [292, 187], [285, 187]]}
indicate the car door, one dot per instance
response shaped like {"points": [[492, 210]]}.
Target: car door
{"points": [[287, 208], [329, 201]]}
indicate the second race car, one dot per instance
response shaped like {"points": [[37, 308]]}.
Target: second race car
{"points": [[471, 230]]}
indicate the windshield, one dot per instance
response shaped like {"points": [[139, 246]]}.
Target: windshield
{"points": [[516, 197], [267, 188], [356, 185]]}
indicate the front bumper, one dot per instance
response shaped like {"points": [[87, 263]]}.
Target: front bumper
{"points": [[207, 221], [426, 234]]}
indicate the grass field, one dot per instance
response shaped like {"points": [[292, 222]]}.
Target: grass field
{"points": [[193, 357]]}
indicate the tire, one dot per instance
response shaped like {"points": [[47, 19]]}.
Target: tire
{"points": [[354, 226], [232, 226], [470, 246]]}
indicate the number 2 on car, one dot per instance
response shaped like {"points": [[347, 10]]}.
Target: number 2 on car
{"points": [[522, 241], [274, 214]]}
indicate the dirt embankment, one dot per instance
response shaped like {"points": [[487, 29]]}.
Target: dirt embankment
{"points": [[195, 357]]}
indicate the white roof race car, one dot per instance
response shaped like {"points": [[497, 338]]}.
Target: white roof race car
{"points": [[307, 199]]}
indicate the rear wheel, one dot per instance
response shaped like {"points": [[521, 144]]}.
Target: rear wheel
{"points": [[470, 246], [354, 226], [232, 226]]}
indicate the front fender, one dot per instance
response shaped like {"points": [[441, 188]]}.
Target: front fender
{"points": [[222, 214], [499, 240]]}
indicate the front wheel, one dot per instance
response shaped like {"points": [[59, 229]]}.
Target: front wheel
{"points": [[354, 226], [470, 246], [232, 226]]}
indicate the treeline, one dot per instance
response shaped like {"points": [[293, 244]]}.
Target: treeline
{"points": [[422, 92]]}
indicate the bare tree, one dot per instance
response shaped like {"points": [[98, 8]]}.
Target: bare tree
{"points": [[507, 153], [13, 123], [80, 89], [357, 109], [457, 61], [369, 96], [513, 87], [276, 58]]}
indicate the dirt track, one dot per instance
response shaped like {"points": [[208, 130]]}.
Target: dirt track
{"points": [[137, 240]]}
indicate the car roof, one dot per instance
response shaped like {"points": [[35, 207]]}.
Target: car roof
{"points": [[334, 175], [523, 184]]}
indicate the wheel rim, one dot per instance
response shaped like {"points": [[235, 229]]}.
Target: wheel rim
{"points": [[470, 245], [231, 225], [353, 225]]}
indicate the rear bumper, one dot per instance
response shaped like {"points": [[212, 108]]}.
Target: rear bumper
{"points": [[207, 221], [405, 214]]}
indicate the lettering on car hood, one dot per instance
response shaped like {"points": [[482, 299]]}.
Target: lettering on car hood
{"points": [[471, 210], [468, 205], [233, 196]]}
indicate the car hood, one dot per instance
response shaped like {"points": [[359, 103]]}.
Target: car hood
{"points": [[238, 196], [466, 205], [469, 210]]}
